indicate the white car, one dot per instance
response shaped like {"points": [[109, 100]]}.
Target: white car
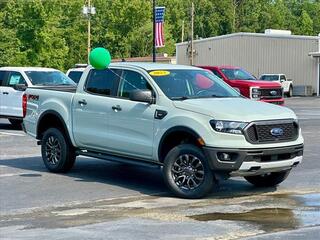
{"points": [[282, 79], [76, 72], [13, 83]]}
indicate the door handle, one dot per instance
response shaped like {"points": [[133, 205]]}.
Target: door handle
{"points": [[82, 102], [116, 108], [5, 93]]}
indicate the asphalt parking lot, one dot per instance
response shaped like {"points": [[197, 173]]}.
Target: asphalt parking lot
{"points": [[103, 200]]}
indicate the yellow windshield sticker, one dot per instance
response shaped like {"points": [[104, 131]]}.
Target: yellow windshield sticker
{"points": [[159, 73]]}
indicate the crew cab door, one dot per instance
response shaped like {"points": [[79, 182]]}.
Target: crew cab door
{"points": [[92, 109], [131, 124], [11, 99], [284, 83], [3, 79]]}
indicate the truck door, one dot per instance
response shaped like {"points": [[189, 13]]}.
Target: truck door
{"points": [[12, 99], [284, 83], [3, 75], [131, 124], [92, 108]]}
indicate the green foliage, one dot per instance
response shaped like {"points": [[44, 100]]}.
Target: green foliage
{"points": [[53, 33]]}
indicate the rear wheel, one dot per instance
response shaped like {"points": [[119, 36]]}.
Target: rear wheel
{"points": [[290, 93], [268, 179], [15, 122], [57, 153], [187, 173]]}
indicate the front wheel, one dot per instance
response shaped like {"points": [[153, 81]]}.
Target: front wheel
{"points": [[290, 93], [268, 179], [57, 153], [187, 173]]}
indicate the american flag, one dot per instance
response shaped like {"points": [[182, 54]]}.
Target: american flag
{"points": [[159, 26]]}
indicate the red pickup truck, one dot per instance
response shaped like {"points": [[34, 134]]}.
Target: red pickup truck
{"points": [[248, 85]]}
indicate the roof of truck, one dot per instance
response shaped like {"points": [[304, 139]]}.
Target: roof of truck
{"points": [[152, 66], [27, 69]]}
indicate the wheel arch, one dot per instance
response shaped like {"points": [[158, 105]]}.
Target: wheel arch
{"points": [[175, 136], [50, 119]]}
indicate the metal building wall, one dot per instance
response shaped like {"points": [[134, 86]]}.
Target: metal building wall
{"points": [[259, 53]]}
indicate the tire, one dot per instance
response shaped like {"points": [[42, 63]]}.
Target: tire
{"points": [[290, 93], [269, 179], [196, 167], [58, 154], [15, 122]]}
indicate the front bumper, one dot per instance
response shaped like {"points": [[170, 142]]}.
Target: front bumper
{"points": [[278, 101], [245, 162]]}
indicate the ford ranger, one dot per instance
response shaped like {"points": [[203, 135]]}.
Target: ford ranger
{"points": [[184, 119]]}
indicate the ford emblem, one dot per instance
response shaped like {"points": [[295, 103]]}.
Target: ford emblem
{"points": [[276, 132], [273, 93]]}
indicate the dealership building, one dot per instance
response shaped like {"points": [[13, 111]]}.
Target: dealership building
{"points": [[272, 52]]}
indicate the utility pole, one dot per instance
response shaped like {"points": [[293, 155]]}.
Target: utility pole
{"points": [[182, 31], [154, 31], [192, 32], [88, 11]]}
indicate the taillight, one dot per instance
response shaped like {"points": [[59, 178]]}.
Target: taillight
{"points": [[24, 104]]}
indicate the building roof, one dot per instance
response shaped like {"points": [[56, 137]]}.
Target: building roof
{"points": [[252, 35]]}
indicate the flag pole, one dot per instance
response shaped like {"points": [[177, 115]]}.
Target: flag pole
{"points": [[154, 31]]}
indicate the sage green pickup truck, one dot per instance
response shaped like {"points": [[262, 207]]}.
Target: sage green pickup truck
{"points": [[184, 119]]}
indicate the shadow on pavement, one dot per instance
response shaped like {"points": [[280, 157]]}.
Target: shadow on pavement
{"points": [[146, 180]]}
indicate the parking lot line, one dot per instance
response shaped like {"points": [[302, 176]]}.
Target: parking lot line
{"points": [[12, 134]]}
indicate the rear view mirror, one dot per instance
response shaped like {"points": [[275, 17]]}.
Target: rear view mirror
{"points": [[142, 96], [20, 87]]}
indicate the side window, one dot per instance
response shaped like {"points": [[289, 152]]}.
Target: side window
{"points": [[215, 72], [282, 78], [103, 82], [2, 78], [15, 78], [132, 81]]}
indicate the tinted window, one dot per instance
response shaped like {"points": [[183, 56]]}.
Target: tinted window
{"points": [[2, 76], [237, 74], [132, 81], [183, 84], [217, 73], [15, 78], [283, 78], [104, 82], [270, 77], [52, 78], [75, 76]]}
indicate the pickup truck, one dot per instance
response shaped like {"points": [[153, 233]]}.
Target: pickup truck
{"points": [[248, 85], [15, 80], [184, 119], [286, 84]]}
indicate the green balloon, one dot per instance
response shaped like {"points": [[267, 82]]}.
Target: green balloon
{"points": [[100, 58]]}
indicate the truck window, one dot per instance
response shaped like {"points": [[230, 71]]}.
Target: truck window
{"points": [[75, 76], [2, 77], [15, 78], [132, 81], [215, 72], [103, 82], [282, 78]]}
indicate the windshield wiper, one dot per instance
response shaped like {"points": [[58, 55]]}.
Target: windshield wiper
{"points": [[180, 98]]}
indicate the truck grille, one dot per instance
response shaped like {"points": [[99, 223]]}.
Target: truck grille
{"points": [[271, 93], [273, 131]]}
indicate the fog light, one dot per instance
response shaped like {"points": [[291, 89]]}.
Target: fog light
{"points": [[224, 156]]}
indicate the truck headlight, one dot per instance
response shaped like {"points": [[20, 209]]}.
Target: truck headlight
{"points": [[255, 93], [228, 126]]}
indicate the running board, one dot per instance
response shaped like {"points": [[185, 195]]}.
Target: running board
{"points": [[108, 157]]}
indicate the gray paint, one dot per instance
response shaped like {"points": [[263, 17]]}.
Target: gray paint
{"points": [[259, 53]]}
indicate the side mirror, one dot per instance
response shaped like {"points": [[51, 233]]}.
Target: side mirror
{"points": [[142, 96], [19, 87]]}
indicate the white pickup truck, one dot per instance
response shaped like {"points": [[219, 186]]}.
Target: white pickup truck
{"points": [[184, 119], [286, 84], [15, 80]]}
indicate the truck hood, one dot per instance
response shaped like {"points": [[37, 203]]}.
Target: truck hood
{"points": [[235, 109], [254, 83]]}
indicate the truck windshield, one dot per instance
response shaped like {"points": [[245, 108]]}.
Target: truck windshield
{"points": [[269, 77], [52, 78], [186, 84], [237, 74]]}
